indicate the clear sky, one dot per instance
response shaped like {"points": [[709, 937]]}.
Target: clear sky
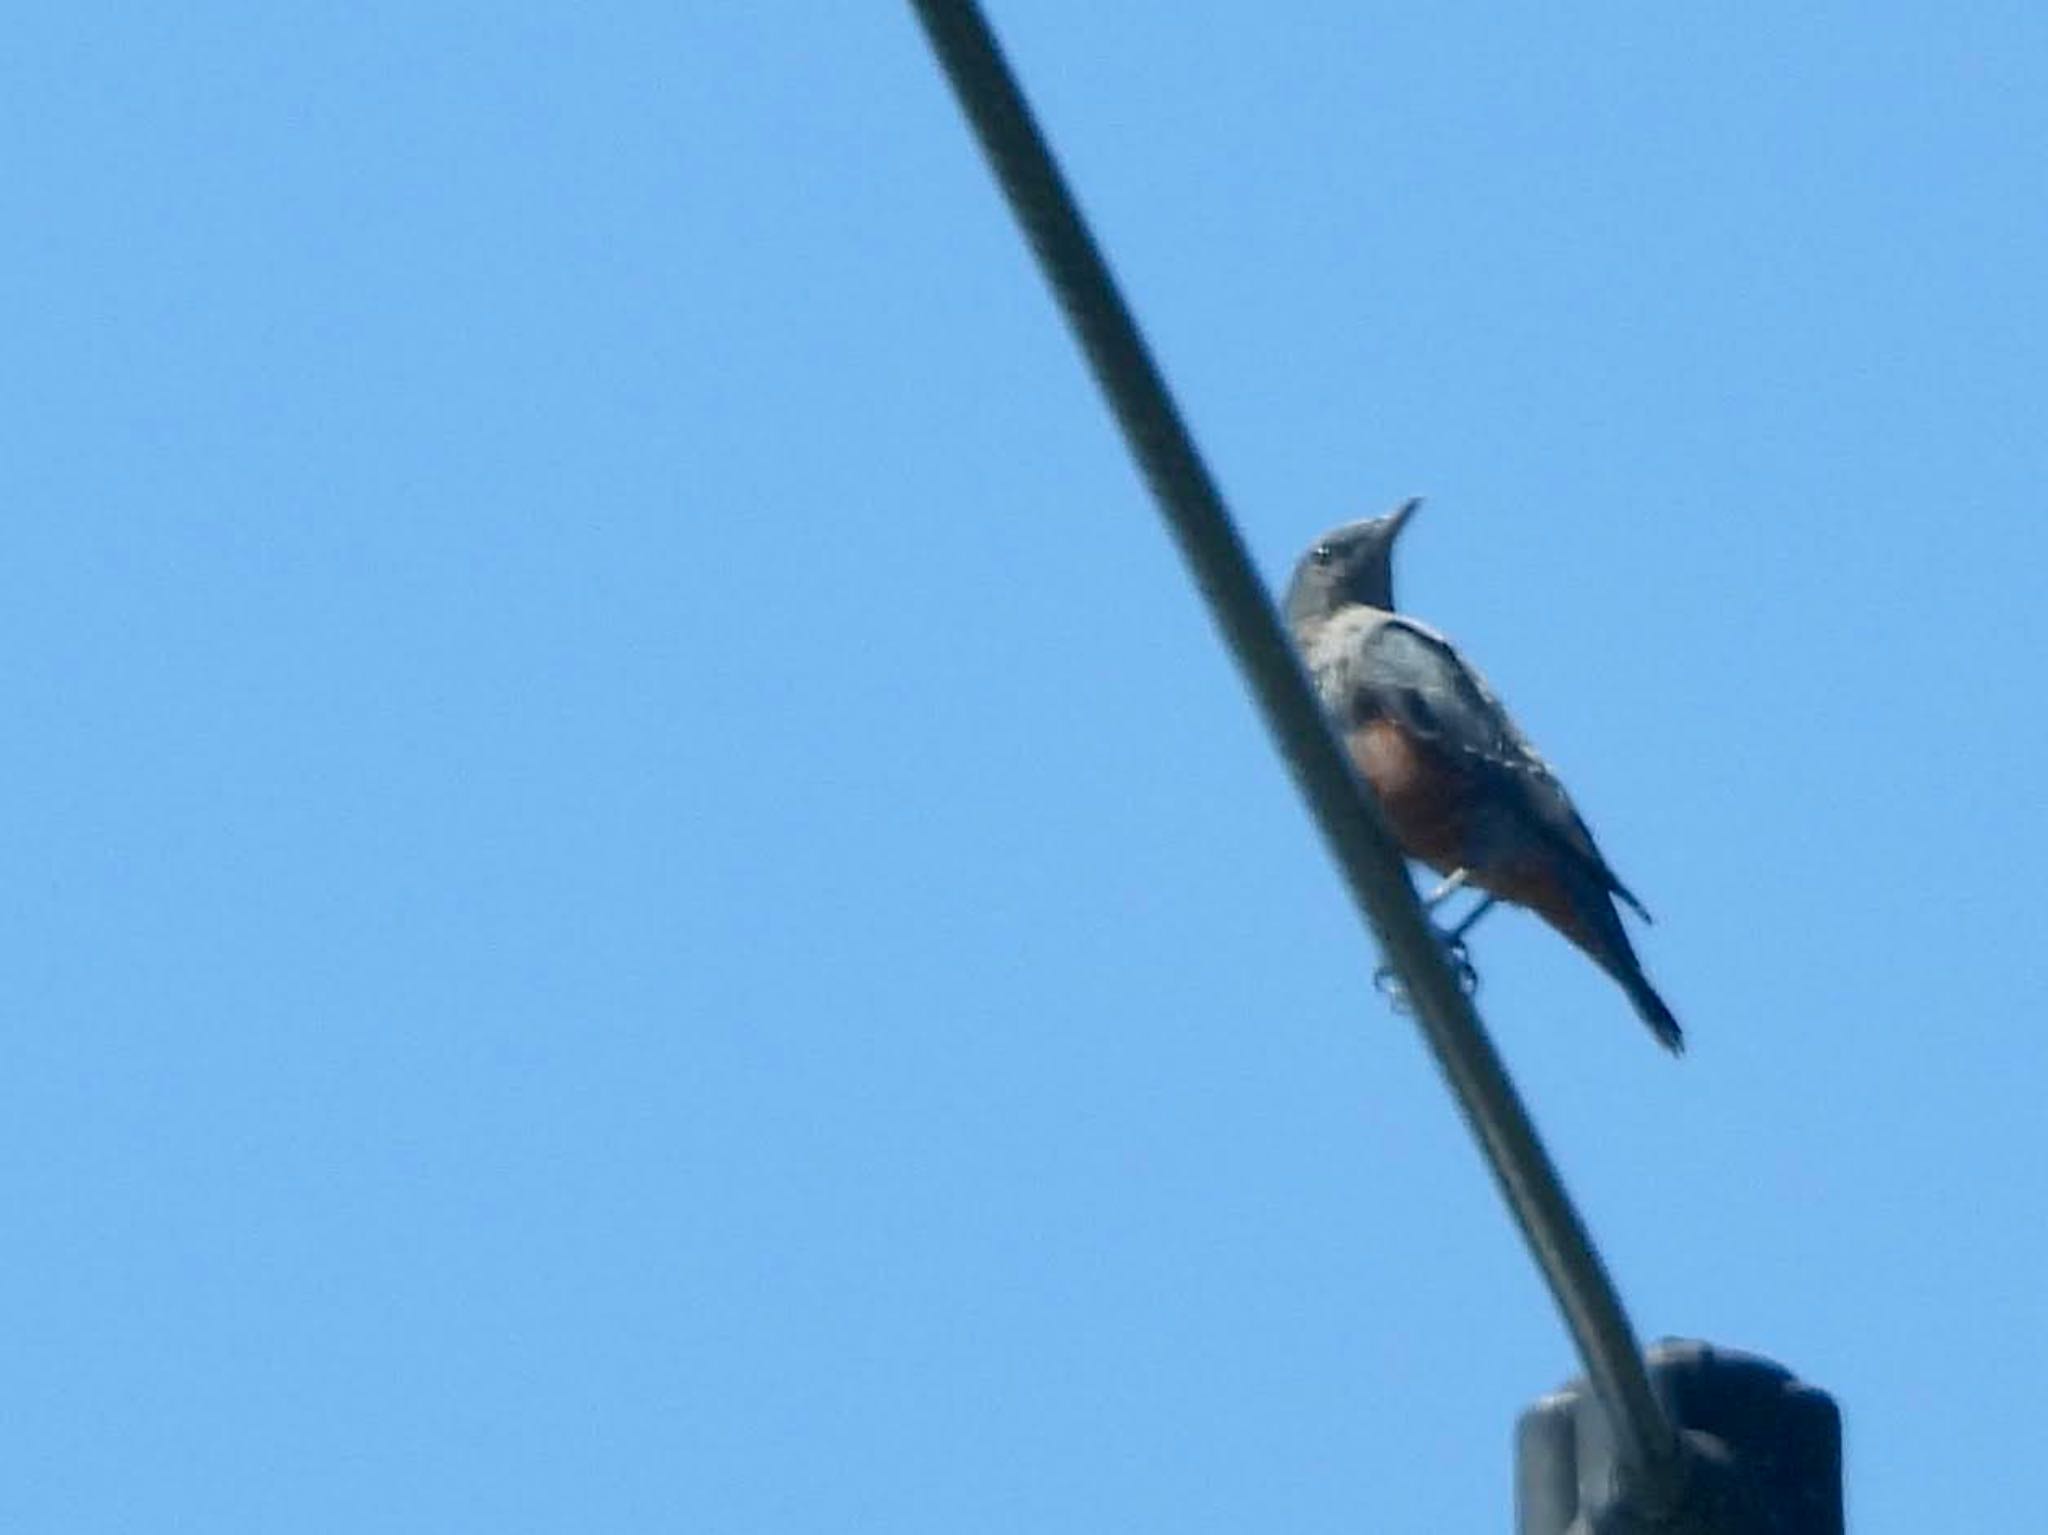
{"points": [[637, 898]]}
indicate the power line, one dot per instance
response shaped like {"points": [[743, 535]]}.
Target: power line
{"points": [[1350, 824]]}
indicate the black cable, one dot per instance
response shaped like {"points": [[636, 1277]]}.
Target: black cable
{"points": [[1350, 824]]}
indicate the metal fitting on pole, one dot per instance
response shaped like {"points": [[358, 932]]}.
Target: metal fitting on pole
{"points": [[1763, 1453]]}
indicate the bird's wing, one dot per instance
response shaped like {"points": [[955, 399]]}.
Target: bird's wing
{"points": [[1404, 671]]}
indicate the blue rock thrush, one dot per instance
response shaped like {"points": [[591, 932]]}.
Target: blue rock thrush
{"points": [[1460, 787]]}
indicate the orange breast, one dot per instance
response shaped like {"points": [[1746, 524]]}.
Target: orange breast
{"points": [[1422, 795], [1428, 800]]}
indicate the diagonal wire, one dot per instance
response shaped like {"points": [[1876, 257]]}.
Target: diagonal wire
{"points": [[1371, 865]]}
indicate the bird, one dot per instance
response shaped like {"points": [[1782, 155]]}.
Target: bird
{"points": [[1457, 782]]}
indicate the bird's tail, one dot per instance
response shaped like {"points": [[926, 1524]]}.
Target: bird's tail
{"points": [[1653, 1011], [1597, 929], [1578, 901]]}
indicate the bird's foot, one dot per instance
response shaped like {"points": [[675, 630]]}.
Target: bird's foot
{"points": [[1387, 980], [1388, 983]]}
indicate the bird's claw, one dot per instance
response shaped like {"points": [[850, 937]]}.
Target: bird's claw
{"points": [[1387, 981]]}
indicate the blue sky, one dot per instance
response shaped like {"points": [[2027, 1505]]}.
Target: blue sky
{"points": [[638, 898]]}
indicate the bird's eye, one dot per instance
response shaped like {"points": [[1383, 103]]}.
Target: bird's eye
{"points": [[1322, 554]]}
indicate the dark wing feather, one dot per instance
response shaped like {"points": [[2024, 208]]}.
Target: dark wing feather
{"points": [[1409, 673]]}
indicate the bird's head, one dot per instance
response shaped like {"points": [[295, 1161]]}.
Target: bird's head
{"points": [[1348, 565]]}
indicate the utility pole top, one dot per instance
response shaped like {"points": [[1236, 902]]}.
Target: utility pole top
{"points": [[1763, 1453]]}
